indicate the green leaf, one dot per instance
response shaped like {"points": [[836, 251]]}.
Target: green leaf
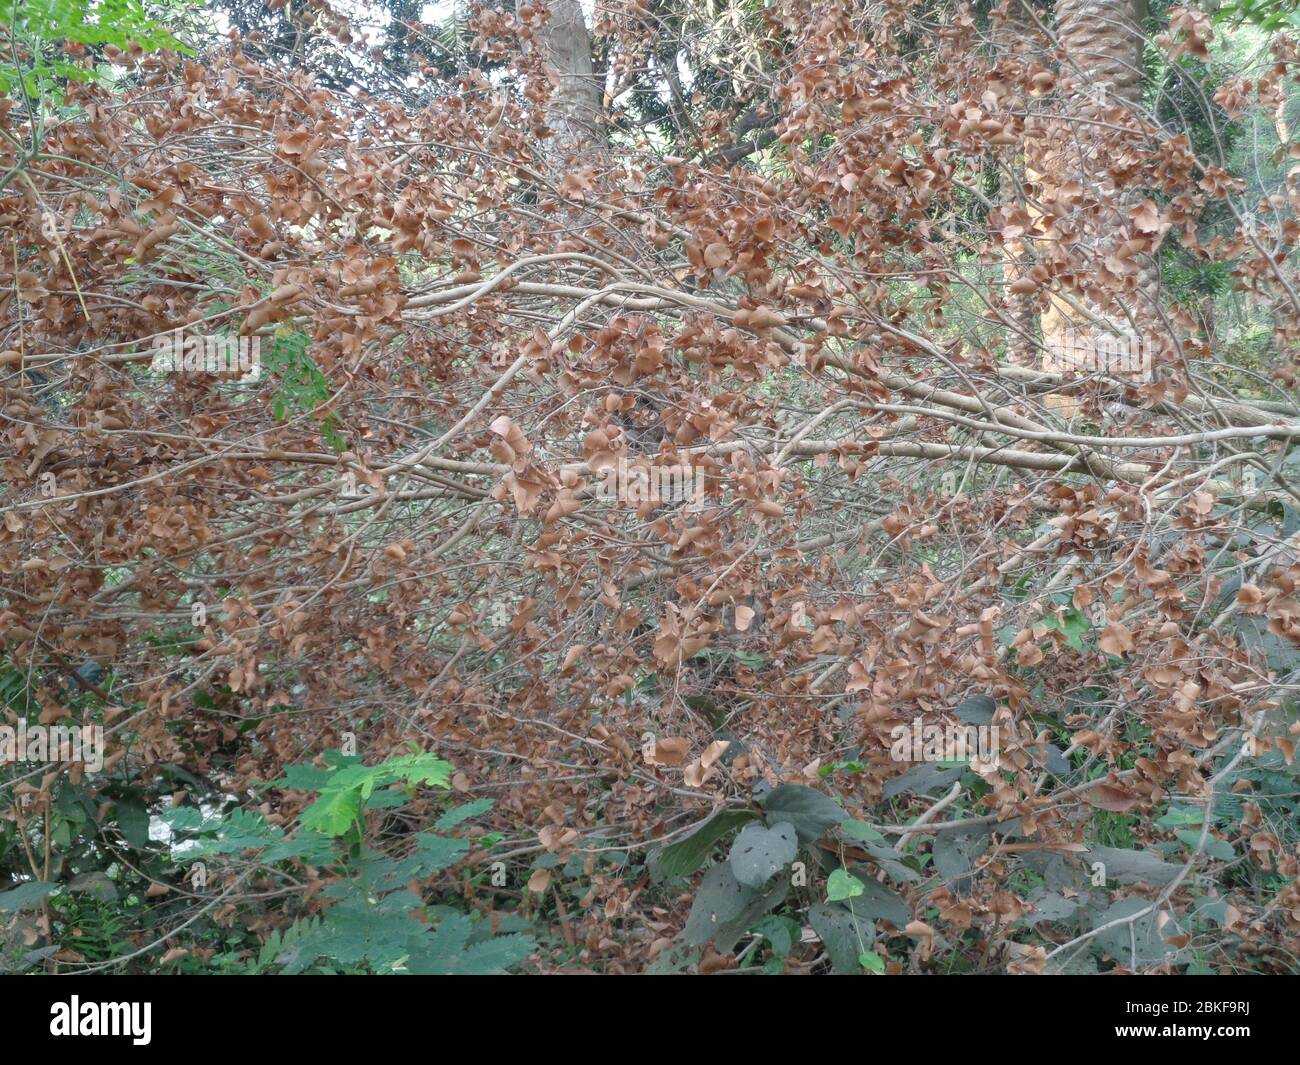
{"points": [[893, 862], [133, 822], [724, 909], [302, 386], [305, 777], [975, 710], [760, 853], [1214, 909], [335, 812], [441, 947], [811, 812], [1049, 905], [844, 935], [861, 830], [782, 932], [26, 896], [311, 847], [347, 789], [492, 957], [690, 852], [237, 831], [876, 902], [920, 780], [95, 883], [433, 854], [673, 959], [1131, 866], [955, 851], [454, 817], [418, 769], [1185, 815], [1218, 849], [843, 885], [721, 898], [1144, 941]]}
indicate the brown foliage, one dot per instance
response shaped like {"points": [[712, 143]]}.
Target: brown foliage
{"points": [[496, 332]]}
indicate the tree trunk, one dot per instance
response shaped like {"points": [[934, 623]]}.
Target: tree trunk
{"points": [[575, 108], [1084, 179], [1016, 40]]}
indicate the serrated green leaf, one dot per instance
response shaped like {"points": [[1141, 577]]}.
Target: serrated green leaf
{"points": [[454, 817]]}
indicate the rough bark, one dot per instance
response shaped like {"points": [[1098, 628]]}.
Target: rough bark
{"points": [[1016, 40], [1085, 176], [574, 112]]}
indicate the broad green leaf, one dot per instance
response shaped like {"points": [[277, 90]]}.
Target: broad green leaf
{"points": [[1218, 849], [845, 936], [26, 896], [782, 932], [861, 830], [133, 822], [690, 852], [811, 812], [843, 885], [720, 898], [1131, 866], [759, 853]]}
